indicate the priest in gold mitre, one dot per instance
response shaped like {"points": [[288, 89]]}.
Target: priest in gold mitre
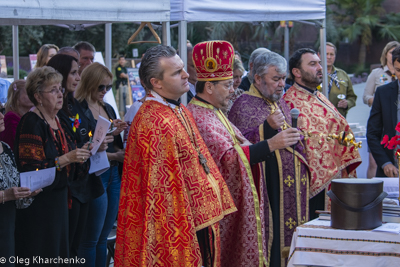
{"points": [[319, 121], [261, 114], [243, 233], [172, 194]]}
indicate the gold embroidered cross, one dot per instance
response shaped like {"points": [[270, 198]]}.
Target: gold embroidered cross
{"points": [[156, 258], [178, 231], [304, 179], [290, 223], [152, 202], [289, 181]]}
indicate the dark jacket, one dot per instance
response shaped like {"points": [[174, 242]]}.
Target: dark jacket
{"points": [[92, 122], [382, 121]]}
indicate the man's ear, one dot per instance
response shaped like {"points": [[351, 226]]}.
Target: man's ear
{"points": [[208, 87], [257, 79], [296, 72], [156, 83]]}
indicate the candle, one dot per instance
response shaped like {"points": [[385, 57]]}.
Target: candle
{"points": [[90, 140], [112, 124]]}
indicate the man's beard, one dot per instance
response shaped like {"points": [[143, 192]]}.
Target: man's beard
{"points": [[309, 80], [275, 97]]}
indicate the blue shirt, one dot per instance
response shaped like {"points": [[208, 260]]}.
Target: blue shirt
{"points": [[4, 85]]}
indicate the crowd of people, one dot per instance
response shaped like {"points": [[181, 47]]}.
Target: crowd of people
{"points": [[223, 181]]}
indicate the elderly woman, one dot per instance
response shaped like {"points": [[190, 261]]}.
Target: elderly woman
{"points": [[17, 105], [378, 77], [238, 71], [76, 128], [95, 82], [45, 53], [42, 228]]}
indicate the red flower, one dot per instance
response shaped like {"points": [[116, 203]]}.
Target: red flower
{"points": [[393, 142], [385, 140], [397, 127], [76, 123]]}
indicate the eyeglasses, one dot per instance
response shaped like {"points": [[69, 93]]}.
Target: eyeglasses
{"points": [[226, 86], [55, 91], [102, 87]]}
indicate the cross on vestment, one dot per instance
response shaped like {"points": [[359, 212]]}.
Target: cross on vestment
{"points": [[203, 162]]}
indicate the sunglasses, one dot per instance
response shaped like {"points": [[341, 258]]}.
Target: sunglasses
{"points": [[102, 87]]}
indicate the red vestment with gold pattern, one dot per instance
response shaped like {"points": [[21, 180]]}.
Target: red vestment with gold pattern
{"points": [[166, 195], [327, 159], [243, 240]]}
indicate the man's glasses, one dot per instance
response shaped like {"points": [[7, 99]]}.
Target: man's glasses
{"points": [[102, 87], [55, 91]]}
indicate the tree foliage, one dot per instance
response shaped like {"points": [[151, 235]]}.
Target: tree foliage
{"points": [[362, 21]]}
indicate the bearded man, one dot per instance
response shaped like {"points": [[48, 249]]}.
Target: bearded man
{"points": [[318, 119], [262, 114]]}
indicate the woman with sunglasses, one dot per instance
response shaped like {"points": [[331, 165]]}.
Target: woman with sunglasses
{"points": [[95, 82], [76, 127], [40, 143]]}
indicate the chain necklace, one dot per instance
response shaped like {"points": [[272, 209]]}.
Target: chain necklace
{"points": [[98, 110], [184, 119]]}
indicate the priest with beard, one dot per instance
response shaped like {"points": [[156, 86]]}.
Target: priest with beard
{"points": [[243, 233], [318, 119], [262, 114]]}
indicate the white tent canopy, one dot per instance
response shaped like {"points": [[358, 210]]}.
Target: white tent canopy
{"points": [[50, 12], [250, 11], [242, 10]]}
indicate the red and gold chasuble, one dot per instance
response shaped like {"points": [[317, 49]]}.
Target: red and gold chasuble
{"points": [[327, 159], [243, 240], [166, 196]]}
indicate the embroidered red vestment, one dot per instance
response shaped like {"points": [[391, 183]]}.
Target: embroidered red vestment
{"points": [[166, 196], [326, 158], [243, 240]]}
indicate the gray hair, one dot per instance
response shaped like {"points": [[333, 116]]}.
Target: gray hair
{"points": [[266, 60], [253, 56], [84, 46], [67, 50], [150, 66]]}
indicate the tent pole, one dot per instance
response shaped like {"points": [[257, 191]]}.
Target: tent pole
{"points": [[286, 49], [322, 36], [108, 45], [15, 52], [183, 50], [166, 33]]}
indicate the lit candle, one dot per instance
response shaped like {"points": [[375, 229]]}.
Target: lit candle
{"points": [[112, 124], [90, 140]]}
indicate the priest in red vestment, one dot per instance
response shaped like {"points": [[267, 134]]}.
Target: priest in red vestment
{"points": [[172, 194], [262, 114], [318, 119], [243, 233]]}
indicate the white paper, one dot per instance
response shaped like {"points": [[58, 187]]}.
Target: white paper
{"points": [[99, 163], [35, 180], [389, 228], [100, 132]]}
